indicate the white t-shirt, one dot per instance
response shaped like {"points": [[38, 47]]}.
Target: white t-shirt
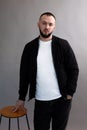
{"points": [[46, 82]]}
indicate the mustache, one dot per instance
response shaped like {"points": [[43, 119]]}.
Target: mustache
{"points": [[46, 30]]}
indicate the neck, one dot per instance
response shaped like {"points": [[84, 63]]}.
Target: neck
{"points": [[45, 39]]}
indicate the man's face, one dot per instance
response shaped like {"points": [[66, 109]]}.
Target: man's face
{"points": [[46, 25]]}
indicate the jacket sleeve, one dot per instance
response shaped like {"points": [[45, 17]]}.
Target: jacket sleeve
{"points": [[24, 74], [72, 69]]}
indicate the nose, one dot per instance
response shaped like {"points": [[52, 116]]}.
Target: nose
{"points": [[47, 26]]}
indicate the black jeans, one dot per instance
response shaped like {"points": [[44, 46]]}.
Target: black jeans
{"points": [[56, 111]]}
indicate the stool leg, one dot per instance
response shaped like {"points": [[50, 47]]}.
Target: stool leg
{"points": [[18, 123], [27, 122], [0, 119], [9, 126]]}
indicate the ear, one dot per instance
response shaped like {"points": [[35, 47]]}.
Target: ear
{"points": [[54, 27], [38, 24]]}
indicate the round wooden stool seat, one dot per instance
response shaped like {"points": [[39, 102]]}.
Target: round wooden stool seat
{"points": [[8, 113]]}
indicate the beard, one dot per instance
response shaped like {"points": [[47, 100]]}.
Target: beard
{"points": [[45, 35]]}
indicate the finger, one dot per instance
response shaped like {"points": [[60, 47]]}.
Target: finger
{"points": [[15, 109]]}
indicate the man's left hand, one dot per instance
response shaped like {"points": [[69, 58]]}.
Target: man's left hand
{"points": [[69, 97]]}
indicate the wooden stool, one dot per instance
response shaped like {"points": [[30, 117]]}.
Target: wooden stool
{"points": [[7, 112]]}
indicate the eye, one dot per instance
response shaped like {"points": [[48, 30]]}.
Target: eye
{"points": [[44, 23], [50, 24]]}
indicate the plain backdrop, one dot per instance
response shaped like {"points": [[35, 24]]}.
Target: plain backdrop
{"points": [[18, 25]]}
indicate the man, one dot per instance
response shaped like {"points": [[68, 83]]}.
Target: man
{"points": [[49, 68]]}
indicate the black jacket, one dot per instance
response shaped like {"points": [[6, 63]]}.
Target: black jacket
{"points": [[65, 65]]}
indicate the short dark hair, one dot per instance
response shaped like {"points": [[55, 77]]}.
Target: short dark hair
{"points": [[48, 14]]}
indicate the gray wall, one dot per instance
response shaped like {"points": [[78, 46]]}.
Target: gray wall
{"points": [[18, 25]]}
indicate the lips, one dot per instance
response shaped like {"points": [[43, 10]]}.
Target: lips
{"points": [[46, 31]]}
